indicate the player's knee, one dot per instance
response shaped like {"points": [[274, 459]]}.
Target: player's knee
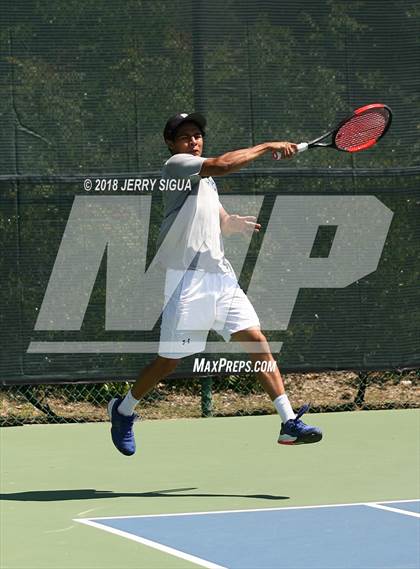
{"points": [[257, 336], [167, 365], [261, 337]]}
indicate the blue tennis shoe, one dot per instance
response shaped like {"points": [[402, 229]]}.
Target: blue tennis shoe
{"points": [[122, 428], [295, 432]]}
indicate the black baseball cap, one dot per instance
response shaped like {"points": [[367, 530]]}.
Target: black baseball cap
{"points": [[178, 119]]}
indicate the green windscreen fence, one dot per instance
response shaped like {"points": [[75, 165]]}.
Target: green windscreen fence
{"points": [[86, 88]]}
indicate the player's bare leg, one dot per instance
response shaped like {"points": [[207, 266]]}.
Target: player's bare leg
{"points": [[270, 380], [150, 376], [293, 430]]}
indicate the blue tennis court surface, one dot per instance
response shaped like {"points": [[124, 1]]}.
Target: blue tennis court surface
{"points": [[357, 536]]}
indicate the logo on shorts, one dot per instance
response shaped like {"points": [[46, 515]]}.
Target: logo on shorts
{"points": [[186, 341]]}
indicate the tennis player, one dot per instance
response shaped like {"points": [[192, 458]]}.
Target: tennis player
{"points": [[201, 288]]}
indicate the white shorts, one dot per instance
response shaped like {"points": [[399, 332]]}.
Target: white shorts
{"points": [[199, 303]]}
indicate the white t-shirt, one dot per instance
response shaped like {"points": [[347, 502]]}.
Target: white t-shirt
{"points": [[191, 220]]}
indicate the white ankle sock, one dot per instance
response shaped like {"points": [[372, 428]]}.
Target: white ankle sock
{"points": [[126, 407], [284, 409]]}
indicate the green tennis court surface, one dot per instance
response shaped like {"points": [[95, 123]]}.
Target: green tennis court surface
{"points": [[53, 474]]}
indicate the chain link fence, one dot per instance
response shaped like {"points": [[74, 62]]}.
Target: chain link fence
{"points": [[234, 395]]}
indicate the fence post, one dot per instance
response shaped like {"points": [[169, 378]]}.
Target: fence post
{"points": [[206, 397], [363, 383], [30, 394]]}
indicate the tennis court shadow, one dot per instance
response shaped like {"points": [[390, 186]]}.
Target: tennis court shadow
{"points": [[92, 494]]}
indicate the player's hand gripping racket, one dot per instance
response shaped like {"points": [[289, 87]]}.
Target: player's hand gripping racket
{"points": [[361, 130]]}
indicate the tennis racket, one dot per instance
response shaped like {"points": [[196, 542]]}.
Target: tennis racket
{"points": [[361, 130]]}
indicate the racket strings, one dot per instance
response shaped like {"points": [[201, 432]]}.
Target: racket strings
{"points": [[362, 130]]}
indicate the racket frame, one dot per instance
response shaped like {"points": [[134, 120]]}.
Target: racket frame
{"points": [[316, 142]]}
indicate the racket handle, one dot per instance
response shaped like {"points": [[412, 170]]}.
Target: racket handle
{"points": [[301, 147]]}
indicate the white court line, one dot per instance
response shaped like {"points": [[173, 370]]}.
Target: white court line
{"points": [[396, 510], [155, 545], [248, 510]]}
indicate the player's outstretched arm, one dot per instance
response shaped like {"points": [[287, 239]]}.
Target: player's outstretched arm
{"points": [[237, 159]]}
